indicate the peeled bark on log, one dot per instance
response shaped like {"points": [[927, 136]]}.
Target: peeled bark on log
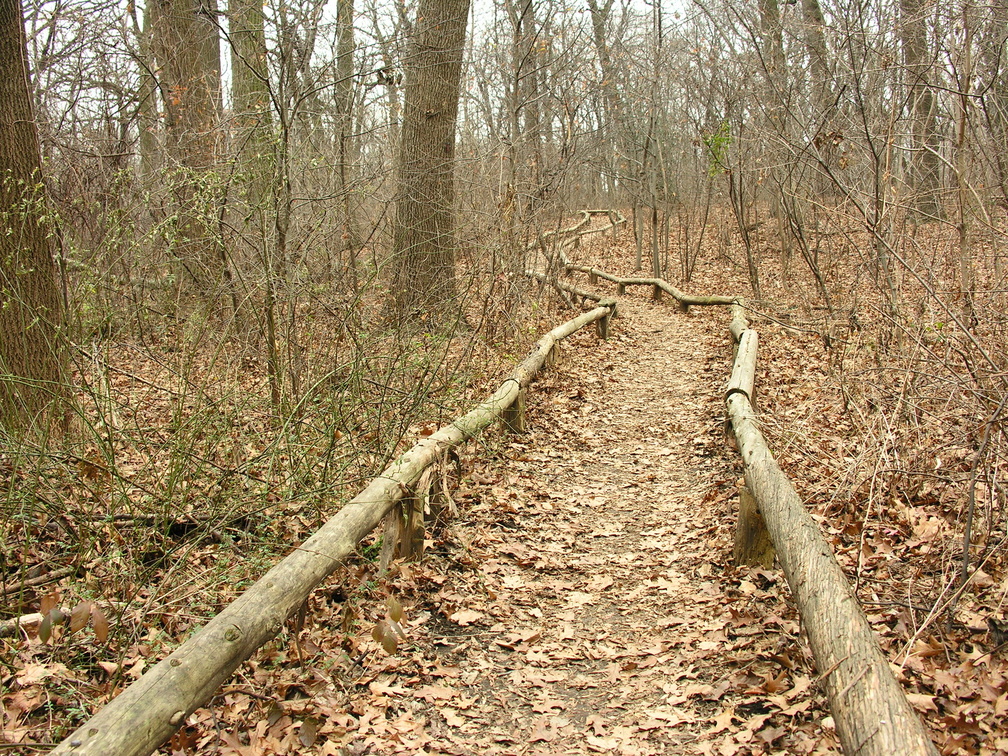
{"points": [[871, 712], [147, 713], [743, 377]]}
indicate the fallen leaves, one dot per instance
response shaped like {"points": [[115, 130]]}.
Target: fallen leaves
{"points": [[464, 617], [581, 601]]}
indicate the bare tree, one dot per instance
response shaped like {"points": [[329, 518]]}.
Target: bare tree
{"points": [[31, 360], [424, 245]]}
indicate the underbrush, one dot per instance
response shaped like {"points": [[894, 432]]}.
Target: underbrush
{"points": [[180, 480]]}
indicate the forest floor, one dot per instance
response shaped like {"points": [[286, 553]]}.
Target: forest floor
{"points": [[587, 604], [584, 600]]}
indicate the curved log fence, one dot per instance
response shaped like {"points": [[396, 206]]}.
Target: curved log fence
{"points": [[147, 713]]}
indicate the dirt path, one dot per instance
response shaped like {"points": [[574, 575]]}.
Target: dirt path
{"points": [[584, 603]]}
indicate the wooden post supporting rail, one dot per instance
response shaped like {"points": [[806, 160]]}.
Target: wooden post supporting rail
{"points": [[514, 416], [602, 324], [752, 542]]}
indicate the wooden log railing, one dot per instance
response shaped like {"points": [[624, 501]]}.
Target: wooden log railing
{"points": [[570, 237], [869, 707], [871, 712], [146, 714], [658, 286]]}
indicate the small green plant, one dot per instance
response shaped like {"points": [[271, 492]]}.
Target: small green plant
{"points": [[717, 145], [371, 551]]}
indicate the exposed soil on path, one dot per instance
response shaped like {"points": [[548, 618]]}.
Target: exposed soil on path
{"points": [[584, 601]]}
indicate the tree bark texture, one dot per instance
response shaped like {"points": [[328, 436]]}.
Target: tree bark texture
{"points": [[254, 144], [743, 377], [424, 241], [815, 44], [31, 358], [250, 94], [872, 715], [147, 713], [925, 162], [186, 45]]}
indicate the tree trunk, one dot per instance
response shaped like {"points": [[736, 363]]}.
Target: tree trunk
{"points": [[925, 163], [822, 116], [31, 356], [250, 90], [252, 134], [150, 157], [778, 117], [964, 197], [186, 43], [611, 126], [346, 145], [424, 243], [815, 45]]}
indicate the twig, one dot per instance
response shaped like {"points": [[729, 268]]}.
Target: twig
{"points": [[10, 588], [968, 526]]}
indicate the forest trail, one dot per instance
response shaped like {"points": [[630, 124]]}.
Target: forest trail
{"points": [[584, 601]]}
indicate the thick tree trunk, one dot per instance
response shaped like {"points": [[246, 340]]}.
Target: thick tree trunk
{"points": [[31, 356], [186, 45], [815, 45], [254, 144], [822, 116], [250, 94], [424, 243]]}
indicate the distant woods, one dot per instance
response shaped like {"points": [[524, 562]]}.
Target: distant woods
{"points": [[252, 162]]}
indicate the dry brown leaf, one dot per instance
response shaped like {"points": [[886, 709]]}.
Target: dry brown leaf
{"points": [[308, 732], [100, 623], [465, 617], [79, 616]]}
